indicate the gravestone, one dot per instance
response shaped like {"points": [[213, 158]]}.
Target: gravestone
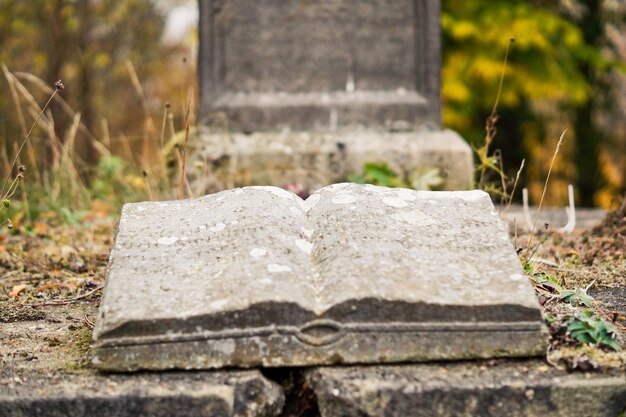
{"points": [[308, 91], [257, 276], [300, 64]]}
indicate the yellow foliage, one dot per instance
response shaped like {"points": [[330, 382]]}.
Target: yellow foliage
{"points": [[610, 171], [527, 34], [614, 177], [453, 118], [485, 68], [604, 198], [464, 29], [136, 182], [455, 90], [102, 60]]}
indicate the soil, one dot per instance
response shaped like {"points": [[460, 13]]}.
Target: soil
{"points": [[50, 285], [593, 261], [51, 279]]}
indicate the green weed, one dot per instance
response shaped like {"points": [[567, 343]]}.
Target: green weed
{"points": [[546, 284], [577, 297], [589, 329], [550, 286], [381, 174]]}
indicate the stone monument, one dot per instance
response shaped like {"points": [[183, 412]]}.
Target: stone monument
{"points": [[309, 91], [257, 276]]}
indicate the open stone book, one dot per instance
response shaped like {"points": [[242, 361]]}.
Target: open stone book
{"points": [[257, 276]]}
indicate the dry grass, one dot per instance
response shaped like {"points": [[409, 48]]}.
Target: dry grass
{"points": [[60, 179]]}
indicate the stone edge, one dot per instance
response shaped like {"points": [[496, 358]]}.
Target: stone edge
{"points": [[529, 339]]}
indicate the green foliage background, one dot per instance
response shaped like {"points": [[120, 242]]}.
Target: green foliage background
{"points": [[565, 72]]}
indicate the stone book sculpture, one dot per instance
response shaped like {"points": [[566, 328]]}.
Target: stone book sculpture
{"points": [[257, 276]]}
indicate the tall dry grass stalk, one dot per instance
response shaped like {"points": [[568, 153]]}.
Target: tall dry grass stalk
{"points": [[12, 182], [62, 181], [58, 87], [42, 86], [163, 179], [11, 81], [184, 187], [149, 127], [162, 144], [519, 172], [543, 194], [65, 182], [485, 161]]}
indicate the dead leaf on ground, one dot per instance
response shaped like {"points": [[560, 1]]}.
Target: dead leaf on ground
{"points": [[50, 214], [100, 208], [54, 285], [41, 229], [17, 289]]}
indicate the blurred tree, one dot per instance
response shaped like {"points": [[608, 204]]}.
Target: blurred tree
{"points": [[596, 18], [555, 80], [87, 44]]}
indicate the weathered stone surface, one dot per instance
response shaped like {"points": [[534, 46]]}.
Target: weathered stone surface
{"points": [[314, 159], [356, 273], [270, 64], [254, 112], [499, 388], [202, 394]]}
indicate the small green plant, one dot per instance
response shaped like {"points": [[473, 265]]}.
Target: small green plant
{"points": [[551, 287], [381, 174], [109, 177], [549, 318], [529, 269], [577, 297], [546, 284], [113, 182], [426, 179], [586, 328]]}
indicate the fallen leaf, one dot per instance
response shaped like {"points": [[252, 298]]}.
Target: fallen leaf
{"points": [[41, 229], [17, 289], [67, 284], [50, 214], [49, 286], [100, 208]]}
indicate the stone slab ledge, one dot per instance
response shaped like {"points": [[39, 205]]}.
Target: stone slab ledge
{"points": [[528, 388], [315, 159]]}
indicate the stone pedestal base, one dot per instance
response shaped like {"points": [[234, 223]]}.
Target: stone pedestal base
{"points": [[313, 160]]}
